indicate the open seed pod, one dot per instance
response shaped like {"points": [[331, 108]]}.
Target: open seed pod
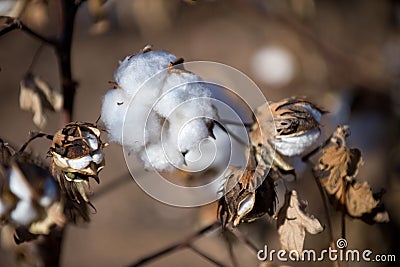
{"points": [[77, 156], [297, 123], [251, 195], [30, 199]]}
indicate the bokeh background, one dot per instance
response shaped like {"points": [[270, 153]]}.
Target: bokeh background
{"points": [[342, 55]]}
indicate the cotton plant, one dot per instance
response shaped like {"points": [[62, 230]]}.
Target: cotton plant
{"points": [[158, 110]]}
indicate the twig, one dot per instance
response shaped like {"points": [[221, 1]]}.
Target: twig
{"points": [[327, 215], [35, 58], [11, 24], [205, 256], [237, 123], [244, 239], [33, 137], [177, 246], [230, 250]]}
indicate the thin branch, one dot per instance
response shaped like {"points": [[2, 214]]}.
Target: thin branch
{"points": [[179, 245], [244, 239], [35, 58], [237, 123], [11, 24], [205, 256], [230, 250], [327, 215], [33, 137]]}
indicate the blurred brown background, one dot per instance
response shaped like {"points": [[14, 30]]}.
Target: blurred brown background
{"points": [[343, 55]]}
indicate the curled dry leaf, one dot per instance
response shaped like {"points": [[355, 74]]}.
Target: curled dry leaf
{"points": [[251, 195], [293, 222], [337, 169], [37, 96], [77, 156]]}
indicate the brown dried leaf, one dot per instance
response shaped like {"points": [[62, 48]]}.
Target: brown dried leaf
{"points": [[37, 96], [337, 169], [293, 222]]}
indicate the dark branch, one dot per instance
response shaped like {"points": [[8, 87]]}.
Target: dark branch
{"points": [[177, 246], [11, 24], [205, 256]]}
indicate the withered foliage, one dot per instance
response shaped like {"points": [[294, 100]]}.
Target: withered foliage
{"points": [[337, 169], [293, 222], [252, 190], [37, 96]]}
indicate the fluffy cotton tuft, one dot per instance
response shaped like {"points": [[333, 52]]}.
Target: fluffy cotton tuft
{"points": [[157, 111]]}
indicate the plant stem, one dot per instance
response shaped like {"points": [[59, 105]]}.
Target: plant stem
{"points": [[327, 215], [14, 23], [33, 137], [186, 242], [66, 10], [244, 239], [205, 256]]}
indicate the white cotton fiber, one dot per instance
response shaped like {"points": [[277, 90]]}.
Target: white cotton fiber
{"points": [[24, 213], [295, 145], [18, 185], [167, 110], [115, 104], [191, 134], [133, 71]]}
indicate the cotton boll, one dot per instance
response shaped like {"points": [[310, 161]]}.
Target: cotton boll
{"points": [[24, 213], [212, 153], [80, 163], [156, 157], [295, 145], [133, 71], [317, 114], [191, 134], [18, 185], [115, 104], [98, 156], [91, 139]]}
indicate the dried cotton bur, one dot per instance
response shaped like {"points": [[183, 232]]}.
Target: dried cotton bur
{"points": [[30, 198], [154, 94], [76, 156], [337, 169], [253, 190]]}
